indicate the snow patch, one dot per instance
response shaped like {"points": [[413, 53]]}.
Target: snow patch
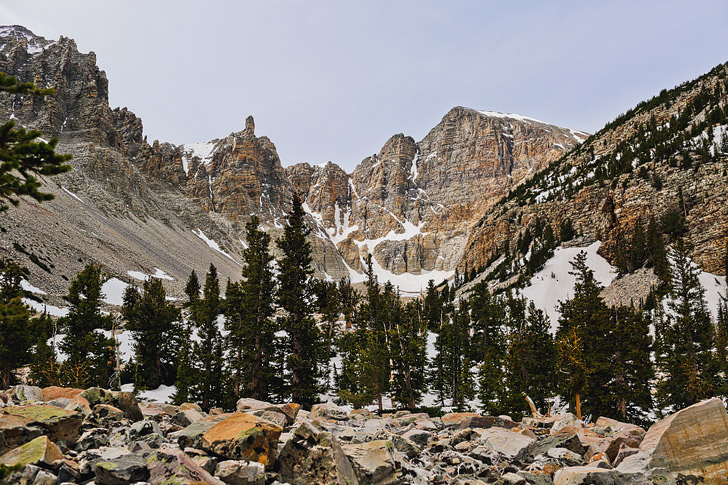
{"points": [[554, 283], [114, 290], [202, 150], [72, 194], [162, 394], [49, 309], [33, 289]]}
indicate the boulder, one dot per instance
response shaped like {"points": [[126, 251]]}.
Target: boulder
{"points": [[191, 436], [373, 462], [453, 420], [247, 403], [125, 469], [127, 402], [243, 437], [236, 472], [419, 436], [15, 431], [313, 456], [579, 475], [291, 411], [23, 393], [693, 442], [488, 422], [105, 415], [401, 444], [504, 444], [38, 451], [54, 392], [186, 417], [328, 410], [174, 466], [561, 440], [96, 395], [59, 425]]}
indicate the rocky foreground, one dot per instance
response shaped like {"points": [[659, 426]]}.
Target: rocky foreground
{"points": [[58, 435]]}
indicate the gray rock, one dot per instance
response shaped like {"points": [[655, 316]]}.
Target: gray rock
{"points": [[23, 393], [506, 444], [420, 437], [597, 476], [235, 472], [120, 471], [373, 462], [328, 410]]}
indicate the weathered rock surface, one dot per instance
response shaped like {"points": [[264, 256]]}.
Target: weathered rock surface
{"points": [[39, 451], [243, 437]]}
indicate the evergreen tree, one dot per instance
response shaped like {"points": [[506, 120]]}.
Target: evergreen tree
{"points": [[638, 254], [721, 343], [251, 337], [15, 338], [409, 354], [633, 368], [44, 369], [22, 155], [303, 344], [155, 324], [90, 354], [657, 253], [432, 307], [488, 316], [456, 360], [186, 368], [208, 349], [585, 335], [689, 339]]}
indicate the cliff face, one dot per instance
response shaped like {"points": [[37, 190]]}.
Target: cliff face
{"points": [[666, 156], [412, 205]]}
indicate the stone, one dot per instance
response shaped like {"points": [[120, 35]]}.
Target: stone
{"points": [[328, 410], [247, 403], [122, 470], [146, 427], [92, 438], [614, 426], [511, 478], [106, 415], [127, 402], [596, 476], [190, 405], [23, 393], [401, 444], [691, 442], [96, 395], [565, 456], [236, 472], [175, 467], [54, 392], [487, 422], [38, 451], [60, 425], [419, 436], [373, 462], [570, 442], [504, 443], [243, 437], [291, 411], [79, 404], [453, 420], [186, 417], [44, 477], [191, 436], [15, 431]]}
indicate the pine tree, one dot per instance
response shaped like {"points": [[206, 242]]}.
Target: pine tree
{"points": [[44, 369], [22, 155], [638, 254], [721, 343], [90, 354], [657, 252], [205, 312], [155, 324], [688, 338], [409, 354], [585, 334], [303, 345], [540, 360], [251, 337], [488, 316], [15, 338], [633, 368], [186, 375]]}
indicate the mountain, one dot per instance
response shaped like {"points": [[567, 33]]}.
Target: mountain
{"points": [[136, 206], [664, 160]]}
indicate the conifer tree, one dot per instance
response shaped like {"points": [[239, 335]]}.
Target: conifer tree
{"points": [[155, 324], [44, 369], [23, 155], [488, 317], [186, 376], [15, 339], [409, 354], [303, 344], [249, 320], [540, 360], [457, 356], [657, 252], [585, 333], [208, 350], [633, 369], [689, 339], [721, 343], [90, 353]]}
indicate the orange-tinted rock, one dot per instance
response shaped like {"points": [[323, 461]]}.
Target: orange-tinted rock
{"points": [[55, 392], [243, 437]]}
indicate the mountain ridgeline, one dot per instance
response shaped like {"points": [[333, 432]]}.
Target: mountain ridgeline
{"points": [[458, 200]]}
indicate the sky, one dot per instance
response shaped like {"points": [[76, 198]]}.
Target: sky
{"points": [[332, 80]]}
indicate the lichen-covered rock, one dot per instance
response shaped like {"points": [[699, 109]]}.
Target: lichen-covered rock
{"points": [[236, 472], [39, 451], [503, 443], [328, 410], [60, 425], [191, 436], [175, 467], [23, 394], [373, 462], [243, 437], [123, 470], [313, 456]]}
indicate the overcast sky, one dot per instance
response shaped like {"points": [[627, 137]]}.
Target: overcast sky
{"points": [[333, 80]]}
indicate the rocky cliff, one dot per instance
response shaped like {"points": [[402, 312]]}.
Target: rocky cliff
{"points": [[667, 157], [412, 205]]}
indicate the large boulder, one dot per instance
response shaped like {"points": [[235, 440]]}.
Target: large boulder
{"points": [[238, 472], [60, 425], [39, 451], [125, 469], [328, 410], [15, 431], [54, 392], [22, 393], [453, 420], [313, 456], [191, 436], [373, 462], [693, 442], [175, 467], [243, 437], [501, 443], [590, 475]]}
